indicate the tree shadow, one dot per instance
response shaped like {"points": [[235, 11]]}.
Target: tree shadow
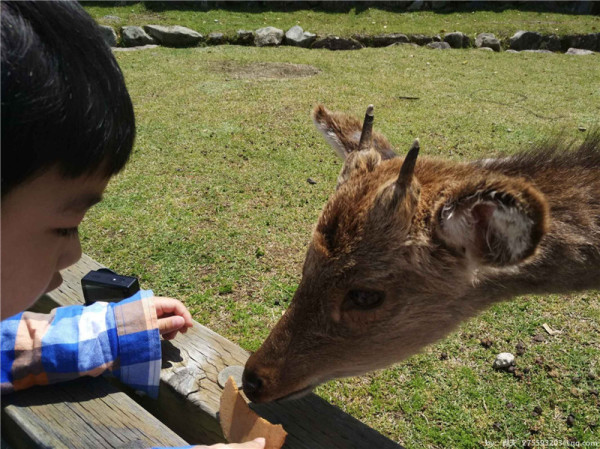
{"points": [[447, 7]]}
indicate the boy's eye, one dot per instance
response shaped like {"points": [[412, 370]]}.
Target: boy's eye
{"points": [[67, 232]]}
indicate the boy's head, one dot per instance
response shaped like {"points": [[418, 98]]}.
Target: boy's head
{"points": [[67, 127]]}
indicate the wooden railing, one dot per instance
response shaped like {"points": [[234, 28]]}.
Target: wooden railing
{"points": [[102, 413]]}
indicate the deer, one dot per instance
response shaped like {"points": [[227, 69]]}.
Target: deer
{"points": [[408, 248]]}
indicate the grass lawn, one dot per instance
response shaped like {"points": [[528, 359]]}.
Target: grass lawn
{"points": [[503, 22], [215, 208]]}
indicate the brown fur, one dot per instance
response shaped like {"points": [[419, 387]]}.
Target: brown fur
{"points": [[453, 239]]}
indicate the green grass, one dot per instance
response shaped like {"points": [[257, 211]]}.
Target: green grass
{"points": [[227, 20], [214, 208]]}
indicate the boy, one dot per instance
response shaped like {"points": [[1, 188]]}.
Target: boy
{"points": [[67, 127]]}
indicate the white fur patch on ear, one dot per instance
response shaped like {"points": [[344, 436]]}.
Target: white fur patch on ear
{"points": [[331, 138], [456, 226], [488, 229], [513, 229]]}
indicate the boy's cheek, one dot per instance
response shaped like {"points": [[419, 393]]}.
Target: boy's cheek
{"points": [[17, 297], [31, 273], [54, 282]]}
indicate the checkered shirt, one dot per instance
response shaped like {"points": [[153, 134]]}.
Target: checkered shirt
{"points": [[75, 341]]}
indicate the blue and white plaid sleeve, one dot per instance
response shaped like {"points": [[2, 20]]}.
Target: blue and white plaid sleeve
{"points": [[75, 341]]}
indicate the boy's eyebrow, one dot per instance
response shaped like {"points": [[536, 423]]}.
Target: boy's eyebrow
{"points": [[81, 203]]}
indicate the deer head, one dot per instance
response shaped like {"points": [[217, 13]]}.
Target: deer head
{"points": [[393, 261]]}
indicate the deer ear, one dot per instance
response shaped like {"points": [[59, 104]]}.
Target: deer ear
{"points": [[343, 133], [498, 223]]}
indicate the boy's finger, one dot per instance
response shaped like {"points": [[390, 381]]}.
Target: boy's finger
{"points": [[170, 324], [258, 443], [166, 306], [170, 335]]}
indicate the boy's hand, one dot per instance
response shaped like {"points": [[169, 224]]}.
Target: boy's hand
{"points": [[172, 317], [258, 443]]}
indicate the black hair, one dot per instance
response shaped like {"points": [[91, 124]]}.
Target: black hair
{"points": [[64, 100]]}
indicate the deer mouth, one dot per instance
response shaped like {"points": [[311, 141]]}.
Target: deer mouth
{"points": [[261, 389], [297, 394]]}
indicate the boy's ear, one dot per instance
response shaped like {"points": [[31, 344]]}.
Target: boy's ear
{"points": [[343, 133], [495, 222]]}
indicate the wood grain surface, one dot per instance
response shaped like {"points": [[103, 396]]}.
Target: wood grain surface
{"points": [[85, 413]]}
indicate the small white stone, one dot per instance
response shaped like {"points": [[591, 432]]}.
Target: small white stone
{"points": [[504, 360], [235, 371]]}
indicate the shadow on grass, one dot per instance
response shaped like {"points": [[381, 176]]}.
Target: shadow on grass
{"points": [[448, 7]]}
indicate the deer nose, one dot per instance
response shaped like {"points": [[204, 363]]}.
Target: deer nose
{"points": [[252, 384]]}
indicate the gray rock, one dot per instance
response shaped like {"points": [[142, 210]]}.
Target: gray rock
{"points": [[297, 37], [420, 39], [337, 43], [244, 37], [174, 36], [143, 47], [439, 46], [504, 360], [484, 48], [109, 35], [412, 44], [437, 38], [457, 39], [579, 51], [588, 42], [216, 39], [268, 36], [566, 42], [525, 40], [385, 40], [112, 19], [536, 51], [294, 35], [487, 40], [510, 50], [551, 42], [132, 36], [585, 41], [235, 371]]}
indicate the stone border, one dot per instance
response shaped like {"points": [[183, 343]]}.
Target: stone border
{"points": [[178, 36]]}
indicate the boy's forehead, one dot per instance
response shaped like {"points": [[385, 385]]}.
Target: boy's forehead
{"points": [[51, 194], [79, 194], [80, 202], [69, 194]]}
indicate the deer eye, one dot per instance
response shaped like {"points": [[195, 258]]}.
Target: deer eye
{"points": [[363, 299]]}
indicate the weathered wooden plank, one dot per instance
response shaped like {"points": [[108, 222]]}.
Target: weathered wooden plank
{"points": [[189, 395], [82, 414]]}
